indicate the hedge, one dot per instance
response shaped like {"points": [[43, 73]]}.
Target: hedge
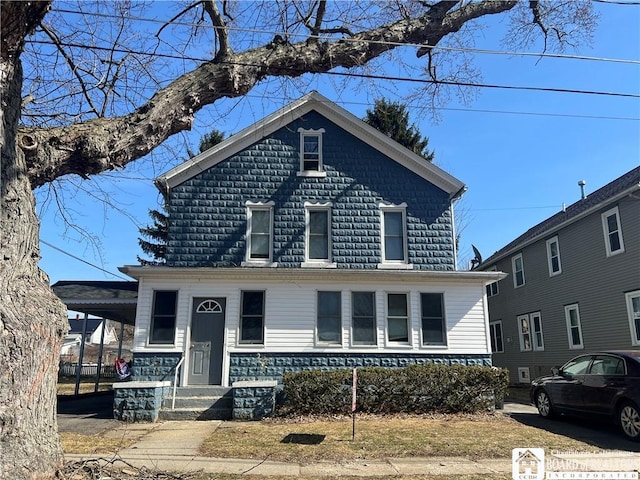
{"points": [[414, 389]]}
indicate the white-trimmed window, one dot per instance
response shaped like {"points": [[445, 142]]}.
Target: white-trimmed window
{"points": [[553, 257], [495, 332], [612, 232], [259, 232], [524, 332], [163, 318], [311, 152], [517, 265], [434, 325], [318, 235], [536, 325], [329, 318], [398, 331], [574, 328], [530, 332], [492, 288], [251, 317], [363, 318], [394, 234], [633, 309]]}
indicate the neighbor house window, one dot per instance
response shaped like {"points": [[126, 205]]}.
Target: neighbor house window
{"points": [[536, 325], [397, 318], [363, 310], [495, 331], [524, 332], [553, 256], [252, 317], [163, 318], [329, 322], [574, 329], [311, 150], [259, 232], [612, 232], [318, 234], [633, 309], [394, 234], [518, 271], [433, 321], [492, 288]]}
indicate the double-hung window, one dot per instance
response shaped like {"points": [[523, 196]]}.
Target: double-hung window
{"points": [[311, 152], [633, 309], [517, 264], [318, 234], [397, 318], [612, 232], [495, 331], [433, 321], [574, 328], [252, 317], [259, 232], [492, 288], [553, 257], [394, 235], [530, 332], [363, 318], [163, 318], [329, 321]]}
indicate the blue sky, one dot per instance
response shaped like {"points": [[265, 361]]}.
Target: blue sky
{"points": [[520, 168]]}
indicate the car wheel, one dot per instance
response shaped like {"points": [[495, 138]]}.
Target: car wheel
{"points": [[543, 403], [629, 419]]}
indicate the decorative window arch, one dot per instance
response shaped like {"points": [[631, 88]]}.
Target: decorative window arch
{"points": [[209, 306]]}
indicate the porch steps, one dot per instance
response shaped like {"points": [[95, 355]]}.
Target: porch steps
{"points": [[199, 403]]}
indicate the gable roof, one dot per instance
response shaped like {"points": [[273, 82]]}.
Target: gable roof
{"points": [[346, 120], [620, 187]]}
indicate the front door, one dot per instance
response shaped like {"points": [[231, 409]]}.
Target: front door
{"points": [[207, 341]]}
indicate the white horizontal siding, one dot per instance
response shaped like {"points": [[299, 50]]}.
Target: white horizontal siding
{"points": [[290, 313]]}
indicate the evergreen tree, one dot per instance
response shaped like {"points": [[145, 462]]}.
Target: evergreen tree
{"points": [[392, 119], [153, 240]]}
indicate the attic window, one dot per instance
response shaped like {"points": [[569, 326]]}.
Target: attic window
{"points": [[311, 152]]}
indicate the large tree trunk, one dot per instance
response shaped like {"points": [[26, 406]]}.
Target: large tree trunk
{"points": [[32, 318]]}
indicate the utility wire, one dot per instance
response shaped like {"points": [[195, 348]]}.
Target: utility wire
{"points": [[84, 261], [351, 74], [373, 42]]}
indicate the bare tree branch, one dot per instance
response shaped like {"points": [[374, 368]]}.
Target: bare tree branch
{"points": [[106, 144], [221, 29]]}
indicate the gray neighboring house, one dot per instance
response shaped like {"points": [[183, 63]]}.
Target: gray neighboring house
{"points": [[573, 283]]}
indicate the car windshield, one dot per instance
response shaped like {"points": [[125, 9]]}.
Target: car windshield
{"points": [[577, 366]]}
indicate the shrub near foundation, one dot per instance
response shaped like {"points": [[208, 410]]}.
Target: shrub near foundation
{"points": [[415, 389]]}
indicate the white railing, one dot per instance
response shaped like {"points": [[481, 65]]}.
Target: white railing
{"points": [[175, 383]]}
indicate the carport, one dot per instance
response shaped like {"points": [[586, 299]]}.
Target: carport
{"points": [[108, 300]]}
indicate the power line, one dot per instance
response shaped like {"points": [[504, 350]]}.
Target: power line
{"points": [[372, 42], [84, 261], [351, 74]]}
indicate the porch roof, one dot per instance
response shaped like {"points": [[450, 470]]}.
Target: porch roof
{"points": [[106, 299]]}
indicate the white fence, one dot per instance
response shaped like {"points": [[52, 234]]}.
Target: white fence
{"points": [[86, 370]]}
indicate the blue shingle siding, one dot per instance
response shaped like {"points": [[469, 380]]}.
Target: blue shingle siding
{"points": [[208, 212]]}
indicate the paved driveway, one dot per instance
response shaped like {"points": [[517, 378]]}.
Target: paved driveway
{"points": [[86, 414]]}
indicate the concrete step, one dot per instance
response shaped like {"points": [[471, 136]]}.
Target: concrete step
{"points": [[196, 414], [203, 391], [199, 402]]}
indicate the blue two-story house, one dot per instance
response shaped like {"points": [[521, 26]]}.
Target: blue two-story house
{"points": [[308, 240]]}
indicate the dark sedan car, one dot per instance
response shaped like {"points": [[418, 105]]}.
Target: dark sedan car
{"points": [[604, 383]]}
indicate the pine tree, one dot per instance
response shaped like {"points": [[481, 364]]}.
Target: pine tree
{"points": [[153, 240], [392, 119]]}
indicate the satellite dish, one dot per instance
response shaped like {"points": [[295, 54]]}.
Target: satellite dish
{"points": [[477, 260]]}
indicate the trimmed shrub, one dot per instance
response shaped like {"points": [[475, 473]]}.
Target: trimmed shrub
{"points": [[414, 389]]}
